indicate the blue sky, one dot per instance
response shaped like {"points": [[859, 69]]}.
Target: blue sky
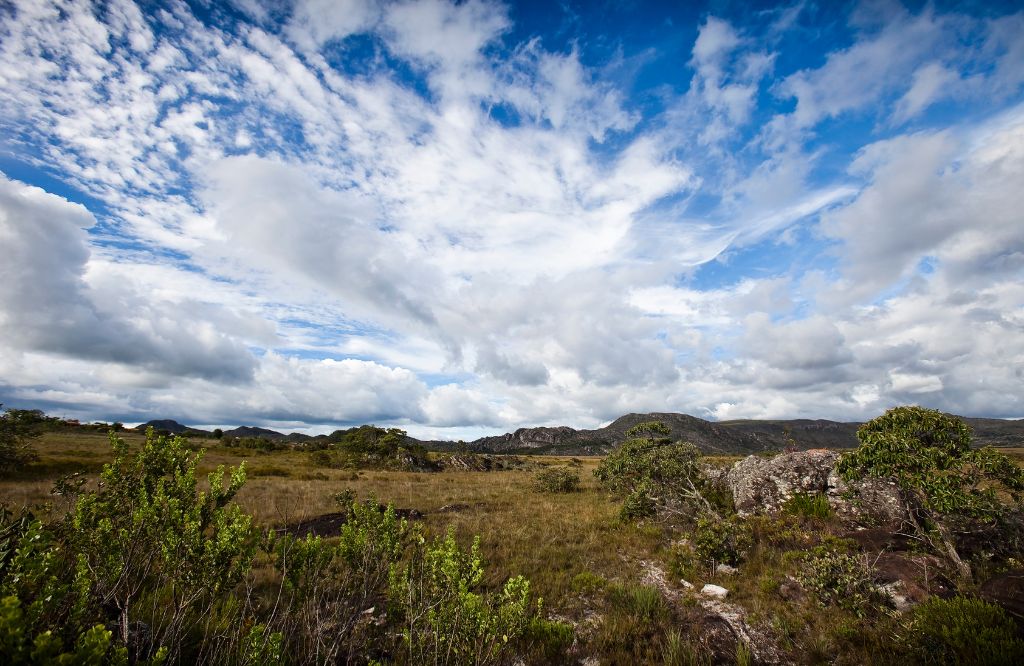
{"points": [[462, 218]]}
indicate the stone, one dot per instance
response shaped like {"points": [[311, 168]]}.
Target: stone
{"points": [[762, 485], [685, 584], [868, 502], [725, 569], [714, 591]]}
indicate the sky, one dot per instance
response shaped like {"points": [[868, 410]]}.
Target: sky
{"points": [[460, 218]]}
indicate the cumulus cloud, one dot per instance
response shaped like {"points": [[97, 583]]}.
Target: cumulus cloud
{"points": [[47, 305]]}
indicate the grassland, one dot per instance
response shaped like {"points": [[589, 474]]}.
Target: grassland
{"points": [[618, 583]]}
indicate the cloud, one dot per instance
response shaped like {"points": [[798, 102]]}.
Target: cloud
{"points": [[426, 214], [47, 305]]}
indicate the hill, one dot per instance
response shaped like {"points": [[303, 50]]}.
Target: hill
{"points": [[738, 437]]}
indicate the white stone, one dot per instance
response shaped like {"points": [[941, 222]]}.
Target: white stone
{"points": [[725, 569], [687, 585], [714, 591]]}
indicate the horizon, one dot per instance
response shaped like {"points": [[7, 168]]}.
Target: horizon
{"points": [[461, 219]]}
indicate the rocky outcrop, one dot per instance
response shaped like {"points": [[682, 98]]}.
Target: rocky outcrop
{"points": [[868, 503], [765, 484]]}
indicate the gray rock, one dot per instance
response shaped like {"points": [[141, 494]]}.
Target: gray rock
{"points": [[868, 502], [725, 569], [762, 485]]}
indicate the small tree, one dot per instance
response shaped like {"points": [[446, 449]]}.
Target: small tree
{"points": [[653, 473], [18, 427], [942, 480], [148, 532]]}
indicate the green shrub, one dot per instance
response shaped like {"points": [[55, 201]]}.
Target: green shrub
{"points": [[839, 579], [655, 474], [18, 427], [942, 479], [808, 506], [327, 586], [725, 541], [547, 641], [587, 582], [557, 480], [962, 630], [638, 503], [19, 644], [447, 618], [149, 534]]}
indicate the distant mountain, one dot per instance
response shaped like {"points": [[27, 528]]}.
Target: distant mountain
{"points": [[740, 437], [709, 437], [173, 427], [252, 431]]}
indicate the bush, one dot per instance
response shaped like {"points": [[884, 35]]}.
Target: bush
{"points": [[547, 641], [838, 579], [447, 618], [328, 586], [962, 630], [655, 474], [722, 541], [942, 479], [557, 480], [18, 427]]}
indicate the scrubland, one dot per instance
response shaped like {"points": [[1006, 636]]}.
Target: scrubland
{"points": [[614, 589]]}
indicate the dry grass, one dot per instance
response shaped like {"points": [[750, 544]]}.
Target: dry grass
{"points": [[550, 538]]}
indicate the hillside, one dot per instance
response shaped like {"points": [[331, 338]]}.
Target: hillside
{"points": [[739, 437]]}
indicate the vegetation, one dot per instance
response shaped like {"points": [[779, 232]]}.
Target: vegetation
{"points": [[18, 427], [655, 474], [95, 574], [557, 480], [962, 630], [947, 486]]}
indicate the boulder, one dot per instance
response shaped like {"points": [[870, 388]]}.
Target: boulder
{"points": [[762, 485], [714, 591], [868, 502], [1006, 590]]}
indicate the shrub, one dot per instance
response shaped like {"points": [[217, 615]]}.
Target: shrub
{"points": [[808, 506], [962, 630], [639, 503], [328, 586], [725, 541], [447, 618], [838, 579], [557, 480], [653, 473], [547, 641], [941, 478], [149, 532], [18, 427]]}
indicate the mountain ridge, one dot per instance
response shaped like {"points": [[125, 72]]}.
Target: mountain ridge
{"points": [[733, 437]]}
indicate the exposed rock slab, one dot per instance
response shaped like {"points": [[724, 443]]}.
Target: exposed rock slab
{"points": [[764, 485]]}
